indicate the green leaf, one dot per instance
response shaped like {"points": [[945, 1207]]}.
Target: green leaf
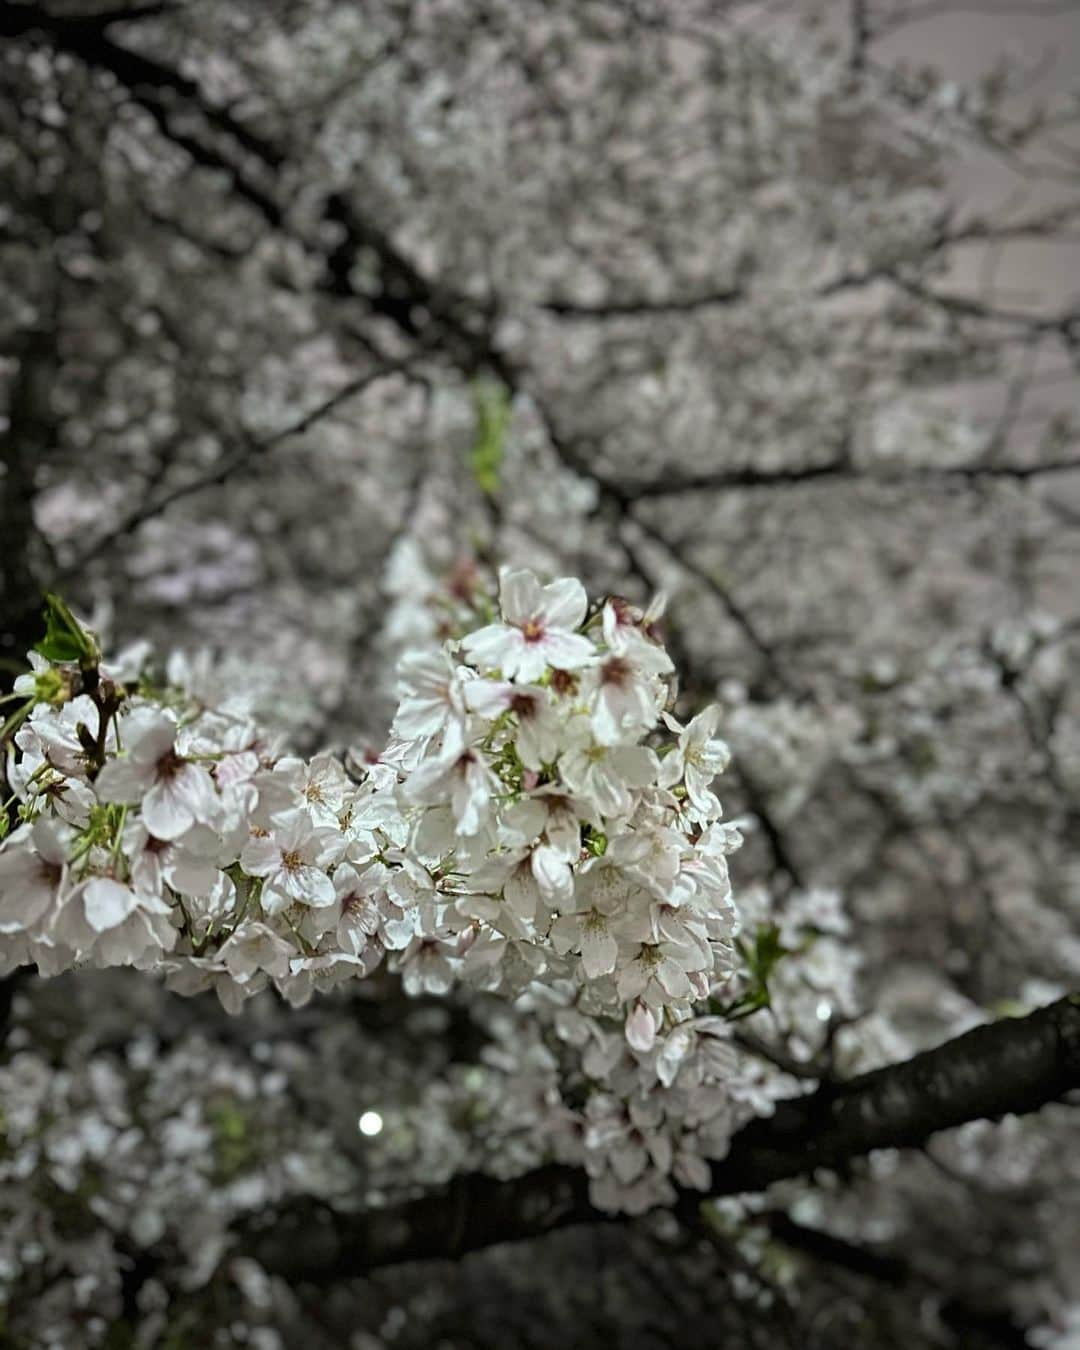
{"points": [[768, 951], [59, 647], [65, 638], [761, 959], [491, 402]]}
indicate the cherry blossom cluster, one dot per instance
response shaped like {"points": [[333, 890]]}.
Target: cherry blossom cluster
{"points": [[537, 816], [142, 1145]]}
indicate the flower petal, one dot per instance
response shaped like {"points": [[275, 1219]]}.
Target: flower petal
{"points": [[106, 903], [640, 1028], [568, 651], [564, 603], [165, 812], [520, 595], [599, 952], [123, 780]]}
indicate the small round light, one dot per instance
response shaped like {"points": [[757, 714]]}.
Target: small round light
{"points": [[370, 1123]]}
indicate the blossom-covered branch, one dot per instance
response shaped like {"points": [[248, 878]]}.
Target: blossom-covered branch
{"points": [[539, 827], [529, 831]]}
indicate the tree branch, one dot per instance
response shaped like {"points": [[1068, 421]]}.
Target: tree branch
{"points": [[1013, 1066], [1009, 1067]]}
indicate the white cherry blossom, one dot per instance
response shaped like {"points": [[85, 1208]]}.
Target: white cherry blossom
{"points": [[33, 863], [538, 629], [605, 775], [288, 858], [697, 759], [173, 792]]}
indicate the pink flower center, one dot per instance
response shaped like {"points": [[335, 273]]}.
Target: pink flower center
{"points": [[525, 705], [50, 873], [169, 765], [532, 630], [617, 671]]}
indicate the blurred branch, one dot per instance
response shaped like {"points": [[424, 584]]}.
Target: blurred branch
{"points": [[619, 502], [27, 434], [103, 18], [860, 35], [842, 470], [424, 310], [84, 36], [627, 307], [1065, 324], [226, 467], [17, 17], [1048, 223], [781, 855], [779, 1057], [939, 9], [466, 332], [960, 1314]]}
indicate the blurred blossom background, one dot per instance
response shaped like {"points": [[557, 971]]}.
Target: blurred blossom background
{"points": [[313, 314]]}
